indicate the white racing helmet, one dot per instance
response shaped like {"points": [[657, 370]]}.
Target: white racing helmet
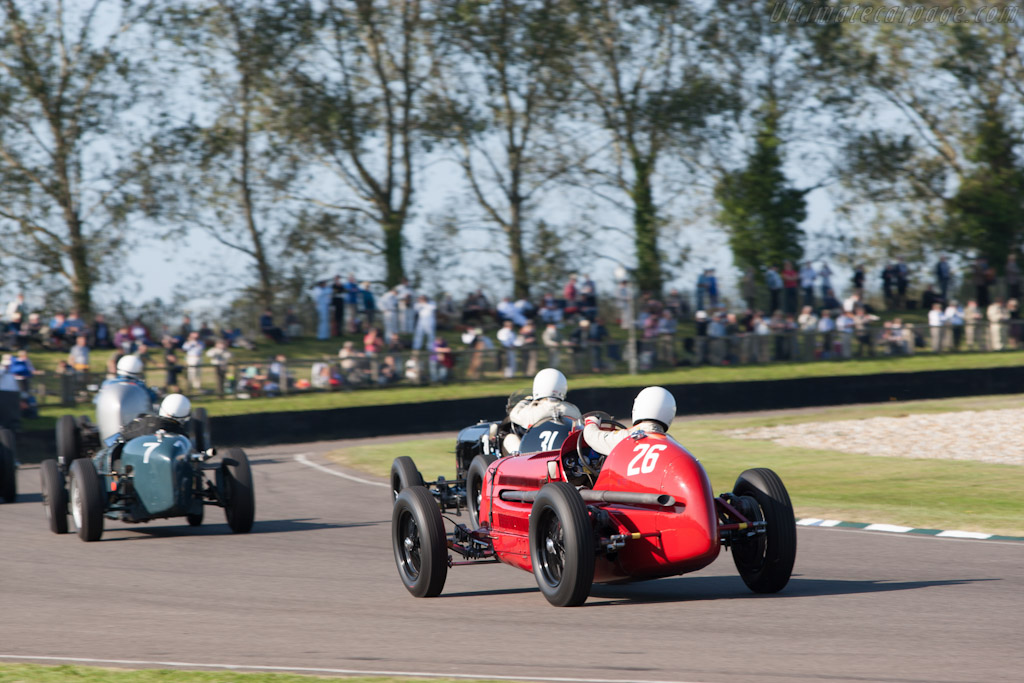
{"points": [[176, 406], [130, 366], [654, 403], [550, 383]]}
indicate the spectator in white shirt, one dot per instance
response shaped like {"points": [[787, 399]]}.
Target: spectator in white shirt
{"points": [[807, 277], [426, 322], [936, 321], [507, 339], [851, 303], [826, 326], [954, 316]]}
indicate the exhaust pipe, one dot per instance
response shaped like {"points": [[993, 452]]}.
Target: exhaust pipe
{"points": [[627, 497], [591, 496]]}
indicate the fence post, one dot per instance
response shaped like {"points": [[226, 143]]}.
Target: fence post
{"points": [[67, 389]]}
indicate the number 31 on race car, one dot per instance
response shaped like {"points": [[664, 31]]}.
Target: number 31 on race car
{"points": [[649, 456]]}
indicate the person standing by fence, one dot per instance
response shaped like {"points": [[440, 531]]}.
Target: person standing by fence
{"points": [[220, 357], [322, 295], [193, 348], [426, 322]]}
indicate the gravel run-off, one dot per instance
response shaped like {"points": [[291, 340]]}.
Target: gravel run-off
{"points": [[995, 436]]}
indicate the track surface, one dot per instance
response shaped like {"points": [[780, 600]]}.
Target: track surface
{"points": [[315, 587]]}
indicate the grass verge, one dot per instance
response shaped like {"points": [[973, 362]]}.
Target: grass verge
{"points": [[937, 494], [18, 673]]}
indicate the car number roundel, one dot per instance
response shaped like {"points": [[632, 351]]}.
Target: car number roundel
{"points": [[545, 436]]}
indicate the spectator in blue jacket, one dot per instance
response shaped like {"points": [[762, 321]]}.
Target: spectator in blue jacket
{"points": [[23, 370]]}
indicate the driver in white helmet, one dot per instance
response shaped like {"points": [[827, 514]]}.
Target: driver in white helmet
{"points": [[546, 402], [131, 369], [174, 410], [654, 408]]}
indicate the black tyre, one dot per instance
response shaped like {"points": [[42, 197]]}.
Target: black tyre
{"points": [[240, 499], [195, 519], [765, 561], [403, 475], [8, 466], [562, 545], [475, 485], [67, 441], [86, 500], [419, 541], [199, 429], [55, 496]]}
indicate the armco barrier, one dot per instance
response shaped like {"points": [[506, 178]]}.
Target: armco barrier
{"points": [[691, 399]]}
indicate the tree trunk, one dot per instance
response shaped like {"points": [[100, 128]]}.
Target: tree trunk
{"points": [[645, 223], [517, 256], [81, 275], [265, 288], [393, 249]]}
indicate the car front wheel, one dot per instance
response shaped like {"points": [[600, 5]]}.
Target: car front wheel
{"points": [[8, 466], [55, 496], [562, 545], [403, 475], [475, 485], [419, 542], [86, 500], [240, 499], [765, 561]]}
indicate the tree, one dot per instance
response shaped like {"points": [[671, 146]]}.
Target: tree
{"points": [[352, 102], [946, 172], [226, 168], [500, 88], [760, 210], [67, 87], [655, 95]]}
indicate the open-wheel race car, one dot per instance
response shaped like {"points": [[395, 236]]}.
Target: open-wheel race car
{"points": [[136, 466], [476, 447], [8, 466], [647, 511]]}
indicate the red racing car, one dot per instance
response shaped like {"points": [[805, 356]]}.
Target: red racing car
{"points": [[646, 511]]}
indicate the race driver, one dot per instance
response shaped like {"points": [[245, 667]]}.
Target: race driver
{"points": [[654, 408], [546, 402]]}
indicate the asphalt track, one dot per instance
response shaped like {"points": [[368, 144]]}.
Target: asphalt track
{"points": [[314, 588]]}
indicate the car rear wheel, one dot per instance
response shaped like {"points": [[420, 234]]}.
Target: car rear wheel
{"points": [[195, 518], [562, 545], [475, 485], [55, 496], [67, 440], [419, 542], [199, 429], [8, 466], [765, 561], [86, 500], [403, 475], [240, 499]]}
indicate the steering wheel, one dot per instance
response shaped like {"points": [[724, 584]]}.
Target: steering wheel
{"points": [[604, 417], [584, 462]]}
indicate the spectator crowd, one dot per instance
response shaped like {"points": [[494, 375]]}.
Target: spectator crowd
{"points": [[783, 312]]}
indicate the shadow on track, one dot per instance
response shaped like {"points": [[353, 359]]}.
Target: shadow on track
{"points": [[275, 526], [685, 589]]}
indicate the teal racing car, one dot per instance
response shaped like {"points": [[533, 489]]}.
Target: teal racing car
{"points": [[151, 467]]}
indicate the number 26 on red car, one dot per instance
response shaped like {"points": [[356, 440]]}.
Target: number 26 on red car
{"points": [[645, 459]]}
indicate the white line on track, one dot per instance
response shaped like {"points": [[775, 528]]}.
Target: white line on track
{"points": [[321, 671], [301, 458]]}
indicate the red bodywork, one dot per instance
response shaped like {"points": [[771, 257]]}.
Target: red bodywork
{"points": [[662, 541]]}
